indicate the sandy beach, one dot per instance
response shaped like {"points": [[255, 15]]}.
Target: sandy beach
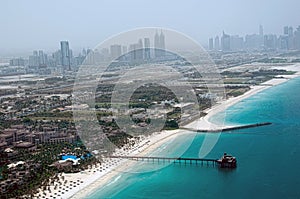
{"points": [[205, 124], [82, 184]]}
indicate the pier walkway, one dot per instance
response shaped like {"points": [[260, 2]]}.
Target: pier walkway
{"points": [[228, 128], [179, 160]]}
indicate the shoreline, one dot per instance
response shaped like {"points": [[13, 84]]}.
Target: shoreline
{"points": [[103, 174], [205, 123]]}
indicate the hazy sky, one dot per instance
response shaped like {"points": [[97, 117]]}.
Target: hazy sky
{"points": [[33, 24]]}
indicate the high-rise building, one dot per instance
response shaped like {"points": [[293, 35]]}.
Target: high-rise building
{"points": [[225, 42], [217, 43], [261, 30], [162, 40], [236, 42], [156, 45], [282, 42], [133, 50], [147, 49], [261, 37], [285, 30], [17, 62], [65, 55], [211, 44], [84, 53], [124, 49], [297, 38], [162, 43], [253, 42], [57, 57], [290, 31], [270, 41], [140, 50], [115, 51], [159, 44], [42, 57], [34, 59], [105, 54]]}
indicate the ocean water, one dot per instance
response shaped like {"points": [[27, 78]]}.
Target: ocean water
{"points": [[268, 156]]}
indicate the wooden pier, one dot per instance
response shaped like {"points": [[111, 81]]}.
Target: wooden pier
{"points": [[228, 128], [226, 161], [179, 160]]}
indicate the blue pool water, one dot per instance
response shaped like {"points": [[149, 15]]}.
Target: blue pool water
{"points": [[64, 157]]}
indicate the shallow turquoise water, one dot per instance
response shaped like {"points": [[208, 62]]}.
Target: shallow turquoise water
{"points": [[268, 157]]}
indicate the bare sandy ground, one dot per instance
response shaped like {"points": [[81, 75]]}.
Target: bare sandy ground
{"points": [[79, 185]]}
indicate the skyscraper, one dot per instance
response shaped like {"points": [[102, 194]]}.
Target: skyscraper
{"points": [[162, 43], [42, 58], [261, 37], [124, 49], [261, 30], [65, 54], [270, 41], [285, 30], [297, 38], [34, 59], [115, 51], [225, 42], [159, 44], [291, 38], [217, 43], [140, 50], [146, 48], [236, 42], [211, 44], [291, 31], [156, 45], [133, 51]]}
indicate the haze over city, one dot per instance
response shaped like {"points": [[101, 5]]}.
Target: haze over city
{"points": [[149, 99], [29, 25]]}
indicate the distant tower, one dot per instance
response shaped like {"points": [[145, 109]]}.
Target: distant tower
{"points": [[261, 30], [146, 48], [36, 58], [65, 54], [140, 50], [285, 30], [140, 43], [162, 43], [115, 51], [297, 38], [42, 58], [156, 45], [217, 43], [261, 36], [159, 44], [291, 39], [225, 42], [291, 31], [211, 43], [124, 49]]}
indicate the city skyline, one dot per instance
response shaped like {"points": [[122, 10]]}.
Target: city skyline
{"points": [[82, 24], [63, 60], [158, 41], [289, 39], [149, 99]]}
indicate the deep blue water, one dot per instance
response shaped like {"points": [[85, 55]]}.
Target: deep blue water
{"points": [[268, 157]]}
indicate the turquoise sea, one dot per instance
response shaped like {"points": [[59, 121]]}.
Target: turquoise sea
{"points": [[268, 157]]}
